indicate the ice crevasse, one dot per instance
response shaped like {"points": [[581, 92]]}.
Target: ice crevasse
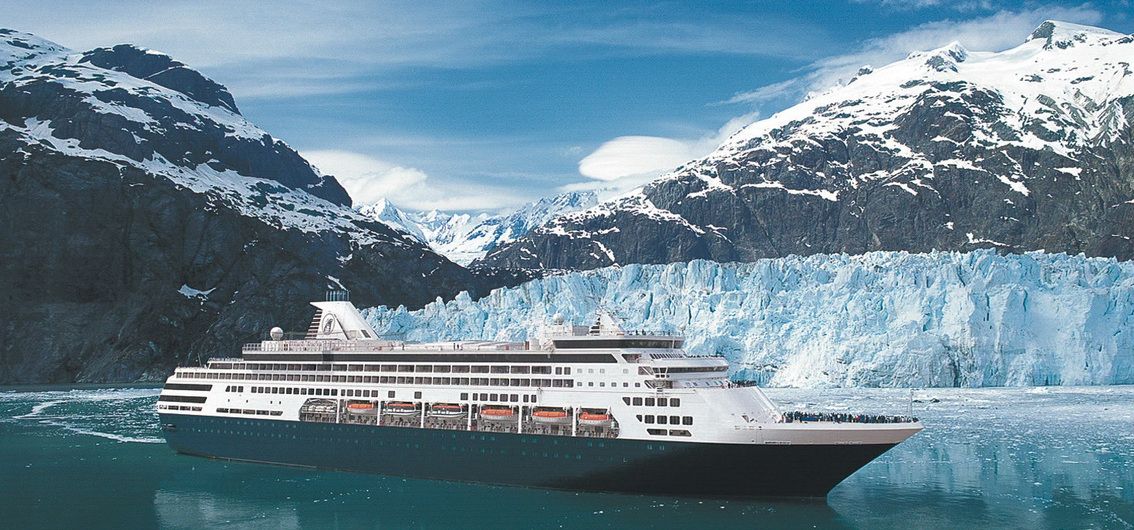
{"points": [[885, 319]]}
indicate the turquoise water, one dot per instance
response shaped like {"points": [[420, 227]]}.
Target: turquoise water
{"points": [[1034, 458]]}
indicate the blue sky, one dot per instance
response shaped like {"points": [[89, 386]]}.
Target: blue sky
{"points": [[485, 105]]}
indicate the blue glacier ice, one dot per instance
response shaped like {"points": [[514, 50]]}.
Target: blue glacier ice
{"points": [[882, 319]]}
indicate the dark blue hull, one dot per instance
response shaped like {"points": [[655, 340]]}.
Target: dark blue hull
{"points": [[588, 464]]}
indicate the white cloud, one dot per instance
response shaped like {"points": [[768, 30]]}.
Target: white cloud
{"points": [[368, 179], [629, 161], [765, 93], [635, 155]]}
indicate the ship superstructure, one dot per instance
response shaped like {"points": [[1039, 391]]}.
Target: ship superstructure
{"points": [[585, 407]]}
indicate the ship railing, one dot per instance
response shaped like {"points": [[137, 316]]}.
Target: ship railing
{"points": [[798, 416], [376, 345], [620, 333]]}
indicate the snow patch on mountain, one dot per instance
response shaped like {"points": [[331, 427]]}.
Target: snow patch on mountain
{"points": [[879, 319]]}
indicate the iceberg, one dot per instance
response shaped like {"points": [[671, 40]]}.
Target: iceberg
{"points": [[881, 319]]}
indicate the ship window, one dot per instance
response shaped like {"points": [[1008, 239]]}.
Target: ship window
{"points": [[626, 400], [673, 420], [687, 420], [639, 416], [674, 402], [590, 383], [493, 397], [521, 370], [442, 368], [649, 418], [424, 368], [638, 401], [417, 395], [663, 402], [637, 385], [499, 370], [649, 402], [515, 398], [590, 370], [464, 396], [533, 398], [679, 432], [480, 369], [602, 384], [662, 420], [656, 432], [525, 398], [558, 370]]}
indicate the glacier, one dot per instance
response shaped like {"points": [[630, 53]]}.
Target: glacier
{"points": [[881, 319]]}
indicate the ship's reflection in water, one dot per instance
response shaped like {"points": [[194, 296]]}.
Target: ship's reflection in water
{"points": [[1010, 458]]}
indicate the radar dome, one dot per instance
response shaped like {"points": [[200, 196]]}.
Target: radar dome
{"points": [[557, 319], [276, 333]]}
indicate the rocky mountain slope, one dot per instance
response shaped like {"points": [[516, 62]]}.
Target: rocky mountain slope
{"points": [[464, 237], [877, 319], [145, 222], [1026, 149]]}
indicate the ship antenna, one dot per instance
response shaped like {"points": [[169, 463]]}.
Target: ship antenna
{"points": [[910, 413]]}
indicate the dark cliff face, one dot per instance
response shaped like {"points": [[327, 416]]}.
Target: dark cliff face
{"points": [[144, 223], [929, 153]]}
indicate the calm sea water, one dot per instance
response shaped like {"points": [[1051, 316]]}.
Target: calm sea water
{"points": [[1021, 458]]}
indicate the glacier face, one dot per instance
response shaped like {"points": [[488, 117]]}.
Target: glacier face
{"points": [[884, 319]]}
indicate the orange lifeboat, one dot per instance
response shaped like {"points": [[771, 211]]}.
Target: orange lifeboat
{"points": [[595, 419], [361, 408], [497, 414], [445, 410], [551, 416], [399, 408]]}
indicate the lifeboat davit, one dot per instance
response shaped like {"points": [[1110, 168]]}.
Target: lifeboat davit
{"points": [[595, 419], [551, 416], [445, 410], [399, 408], [497, 414], [361, 408]]}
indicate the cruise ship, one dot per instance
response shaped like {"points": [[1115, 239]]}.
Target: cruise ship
{"points": [[594, 408]]}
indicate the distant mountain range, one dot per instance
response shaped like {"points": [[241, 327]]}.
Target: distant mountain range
{"points": [[464, 237], [1026, 149], [144, 221]]}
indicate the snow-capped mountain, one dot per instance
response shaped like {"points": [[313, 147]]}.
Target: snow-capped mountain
{"points": [[464, 237], [877, 319], [1025, 149], [146, 220]]}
